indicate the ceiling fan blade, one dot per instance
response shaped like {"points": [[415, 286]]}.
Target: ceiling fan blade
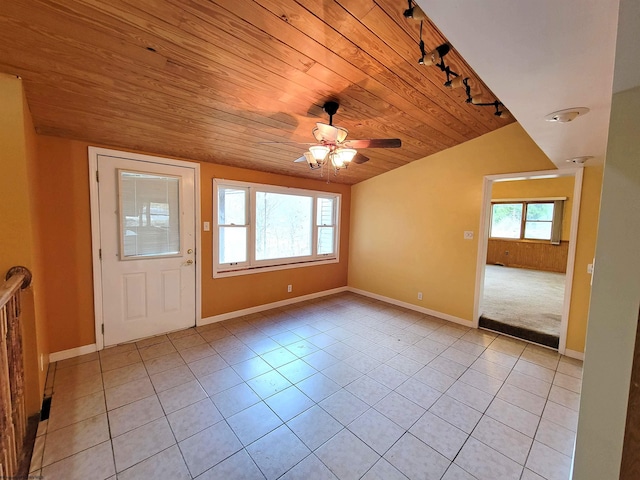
{"points": [[300, 160], [327, 133], [286, 143], [374, 143], [359, 159]]}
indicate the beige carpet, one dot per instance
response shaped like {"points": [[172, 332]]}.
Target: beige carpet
{"points": [[524, 298]]}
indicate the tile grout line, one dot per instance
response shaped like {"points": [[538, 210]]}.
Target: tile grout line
{"points": [[378, 340]]}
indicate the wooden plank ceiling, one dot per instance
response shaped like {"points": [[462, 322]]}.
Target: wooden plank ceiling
{"points": [[213, 80]]}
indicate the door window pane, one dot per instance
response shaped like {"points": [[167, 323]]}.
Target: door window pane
{"points": [[283, 225], [506, 220], [149, 214]]}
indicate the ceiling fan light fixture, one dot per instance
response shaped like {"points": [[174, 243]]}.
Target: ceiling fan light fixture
{"points": [[319, 152], [345, 155], [336, 161], [313, 164], [342, 134], [317, 134]]}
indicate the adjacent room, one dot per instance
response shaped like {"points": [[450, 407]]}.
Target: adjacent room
{"points": [[527, 254], [262, 239]]}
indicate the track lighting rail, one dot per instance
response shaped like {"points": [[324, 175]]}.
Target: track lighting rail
{"points": [[436, 58]]}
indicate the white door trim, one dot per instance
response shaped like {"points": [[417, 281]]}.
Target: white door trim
{"points": [[95, 228], [483, 240]]}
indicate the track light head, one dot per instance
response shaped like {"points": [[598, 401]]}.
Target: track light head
{"points": [[415, 13], [434, 57], [456, 82], [443, 49]]}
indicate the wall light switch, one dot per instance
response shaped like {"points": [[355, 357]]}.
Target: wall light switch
{"points": [[206, 226], [468, 235]]}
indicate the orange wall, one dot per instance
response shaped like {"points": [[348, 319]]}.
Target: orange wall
{"points": [[19, 241], [221, 295], [65, 220]]}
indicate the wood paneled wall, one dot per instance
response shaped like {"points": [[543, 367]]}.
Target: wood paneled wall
{"points": [[528, 254], [630, 467]]}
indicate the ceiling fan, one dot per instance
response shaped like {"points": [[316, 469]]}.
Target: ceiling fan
{"points": [[333, 147]]}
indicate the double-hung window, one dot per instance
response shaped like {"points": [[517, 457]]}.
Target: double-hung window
{"points": [[528, 220], [263, 226]]}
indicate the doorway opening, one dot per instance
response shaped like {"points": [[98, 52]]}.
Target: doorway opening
{"points": [[526, 255]]}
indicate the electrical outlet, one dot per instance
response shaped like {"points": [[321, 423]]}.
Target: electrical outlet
{"points": [[206, 226], [468, 235], [289, 288], [419, 295]]}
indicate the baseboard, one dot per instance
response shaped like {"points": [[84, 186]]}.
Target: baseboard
{"points": [[411, 306], [268, 306], [72, 352], [574, 354], [76, 352]]}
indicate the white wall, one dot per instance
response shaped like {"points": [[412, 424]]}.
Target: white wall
{"points": [[615, 297]]}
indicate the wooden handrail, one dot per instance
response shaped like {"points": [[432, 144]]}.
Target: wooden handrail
{"points": [[10, 287], [13, 420]]}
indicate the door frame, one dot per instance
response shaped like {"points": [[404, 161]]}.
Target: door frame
{"points": [[483, 240], [94, 152]]}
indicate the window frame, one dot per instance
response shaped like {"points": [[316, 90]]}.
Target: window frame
{"points": [[121, 220], [257, 266], [523, 221], [247, 215]]}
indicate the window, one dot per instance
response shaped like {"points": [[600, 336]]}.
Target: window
{"points": [[526, 220], [149, 215], [261, 226]]}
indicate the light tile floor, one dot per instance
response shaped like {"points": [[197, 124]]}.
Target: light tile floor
{"points": [[341, 387]]}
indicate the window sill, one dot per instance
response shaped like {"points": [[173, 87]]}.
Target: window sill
{"points": [[272, 268], [521, 240]]}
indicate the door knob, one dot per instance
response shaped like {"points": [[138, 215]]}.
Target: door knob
{"points": [[190, 251], [189, 262]]}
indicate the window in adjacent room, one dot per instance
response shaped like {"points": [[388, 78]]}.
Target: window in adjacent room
{"points": [[528, 220]]}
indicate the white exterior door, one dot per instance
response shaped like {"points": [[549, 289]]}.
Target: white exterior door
{"points": [[147, 248]]}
